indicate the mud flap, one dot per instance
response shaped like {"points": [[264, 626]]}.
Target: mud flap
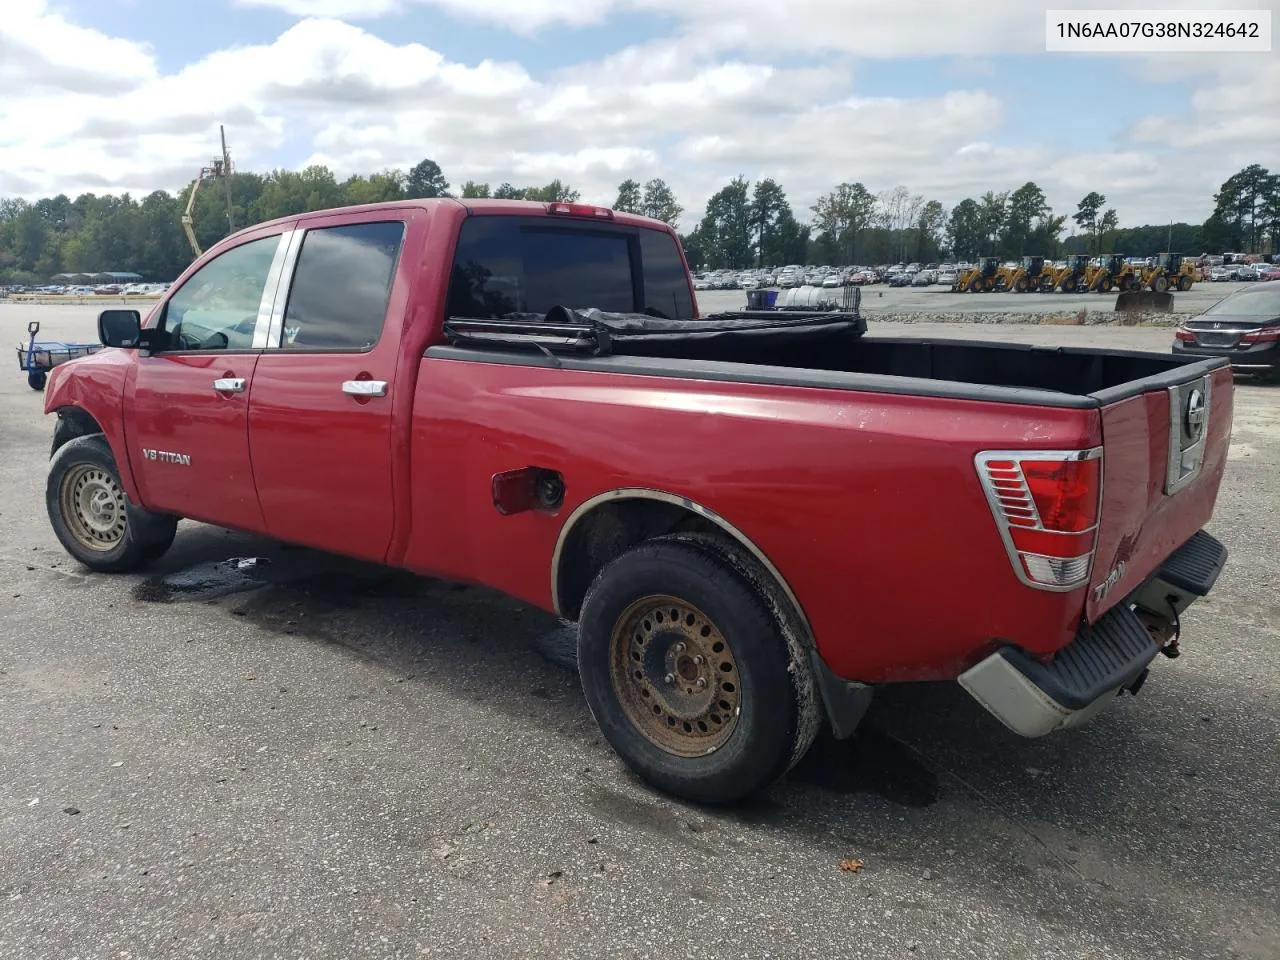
{"points": [[846, 701]]}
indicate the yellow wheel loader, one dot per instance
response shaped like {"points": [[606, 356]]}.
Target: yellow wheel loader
{"points": [[1171, 272], [1069, 278], [979, 279], [1027, 274], [1112, 272]]}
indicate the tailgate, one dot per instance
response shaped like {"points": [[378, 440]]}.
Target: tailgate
{"points": [[1164, 450]]}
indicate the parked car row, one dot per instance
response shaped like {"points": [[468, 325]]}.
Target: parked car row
{"points": [[1243, 272], [948, 274], [796, 275], [89, 290]]}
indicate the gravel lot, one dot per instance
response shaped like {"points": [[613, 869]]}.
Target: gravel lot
{"points": [[880, 299], [349, 762]]}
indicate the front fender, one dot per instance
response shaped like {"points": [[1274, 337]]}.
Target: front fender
{"points": [[92, 388]]}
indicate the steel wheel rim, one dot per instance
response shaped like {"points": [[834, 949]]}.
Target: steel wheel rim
{"points": [[93, 507], [674, 674]]}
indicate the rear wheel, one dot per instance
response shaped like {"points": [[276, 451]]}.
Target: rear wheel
{"points": [[92, 515], [688, 674]]}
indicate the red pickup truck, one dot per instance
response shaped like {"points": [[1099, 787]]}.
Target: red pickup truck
{"points": [[755, 519]]}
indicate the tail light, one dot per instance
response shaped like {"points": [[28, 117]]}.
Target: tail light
{"points": [[1045, 505], [1263, 335], [1184, 335]]}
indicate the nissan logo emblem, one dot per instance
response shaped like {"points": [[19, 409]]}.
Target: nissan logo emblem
{"points": [[1195, 413]]}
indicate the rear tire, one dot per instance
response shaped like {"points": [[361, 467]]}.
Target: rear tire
{"points": [[688, 674], [92, 516]]}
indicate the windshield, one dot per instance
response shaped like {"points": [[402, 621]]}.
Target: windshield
{"points": [[1248, 303]]}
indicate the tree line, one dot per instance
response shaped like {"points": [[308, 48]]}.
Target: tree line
{"points": [[745, 224], [93, 233]]}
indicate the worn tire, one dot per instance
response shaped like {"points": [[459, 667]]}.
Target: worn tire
{"points": [[136, 537], [770, 721]]}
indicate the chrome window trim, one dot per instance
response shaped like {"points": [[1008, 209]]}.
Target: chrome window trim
{"points": [[265, 305], [288, 260]]}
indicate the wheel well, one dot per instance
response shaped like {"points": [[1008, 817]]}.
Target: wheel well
{"points": [[609, 530], [73, 422]]}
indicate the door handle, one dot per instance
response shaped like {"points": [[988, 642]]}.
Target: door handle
{"points": [[229, 385], [365, 388]]}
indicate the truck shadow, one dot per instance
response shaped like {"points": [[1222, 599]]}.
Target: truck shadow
{"points": [[1143, 790]]}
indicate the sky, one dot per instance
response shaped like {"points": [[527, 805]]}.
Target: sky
{"points": [[948, 98]]}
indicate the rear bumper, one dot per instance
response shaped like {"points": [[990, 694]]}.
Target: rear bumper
{"points": [[1260, 356], [1032, 698]]}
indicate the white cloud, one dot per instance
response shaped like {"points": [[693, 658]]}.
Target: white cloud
{"points": [[869, 28], [40, 51], [325, 9], [696, 108]]}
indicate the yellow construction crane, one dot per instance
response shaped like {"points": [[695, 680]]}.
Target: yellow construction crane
{"points": [[219, 168]]}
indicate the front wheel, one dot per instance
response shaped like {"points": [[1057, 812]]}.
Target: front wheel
{"points": [[689, 675], [1160, 284], [36, 379], [1184, 284], [93, 517]]}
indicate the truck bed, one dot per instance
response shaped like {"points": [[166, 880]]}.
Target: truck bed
{"points": [[821, 350]]}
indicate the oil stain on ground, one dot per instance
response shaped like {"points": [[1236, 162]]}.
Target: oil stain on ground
{"points": [[205, 581]]}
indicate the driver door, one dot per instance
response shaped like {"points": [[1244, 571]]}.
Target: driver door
{"points": [[187, 408]]}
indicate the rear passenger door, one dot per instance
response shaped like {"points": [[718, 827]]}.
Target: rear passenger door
{"points": [[321, 411]]}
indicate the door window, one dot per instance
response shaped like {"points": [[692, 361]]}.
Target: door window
{"points": [[217, 308], [341, 288]]}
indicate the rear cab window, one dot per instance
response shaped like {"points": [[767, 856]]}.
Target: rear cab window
{"points": [[512, 265]]}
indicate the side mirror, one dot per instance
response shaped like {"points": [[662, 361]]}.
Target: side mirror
{"points": [[119, 328]]}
